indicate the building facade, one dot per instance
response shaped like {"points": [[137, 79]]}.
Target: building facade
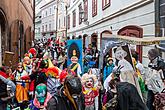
{"points": [[53, 19], [101, 18], [16, 27]]}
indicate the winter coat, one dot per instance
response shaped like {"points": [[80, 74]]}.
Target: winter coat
{"points": [[128, 97], [108, 70], [61, 102]]}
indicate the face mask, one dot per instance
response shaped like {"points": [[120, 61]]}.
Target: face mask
{"points": [[41, 93], [20, 70], [73, 89]]}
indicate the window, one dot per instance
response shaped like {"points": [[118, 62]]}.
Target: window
{"points": [[46, 27], [50, 11], [46, 13], [39, 30], [59, 23], [94, 8], [43, 14], [105, 3], [74, 18], [80, 15], [64, 21], [162, 17], [85, 10], [49, 27], [68, 21], [42, 28]]}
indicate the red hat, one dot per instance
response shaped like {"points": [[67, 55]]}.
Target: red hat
{"points": [[53, 71], [33, 51], [65, 73], [3, 74]]}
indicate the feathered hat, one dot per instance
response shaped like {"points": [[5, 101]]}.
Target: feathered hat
{"points": [[52, 70]]}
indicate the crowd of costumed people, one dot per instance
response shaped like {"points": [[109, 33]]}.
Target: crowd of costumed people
{"points": [[44, 81]]}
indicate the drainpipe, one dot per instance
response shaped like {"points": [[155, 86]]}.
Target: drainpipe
{"points": [[157, 18], [66, 21], [57, 18], [0, 46], [34, 3]]}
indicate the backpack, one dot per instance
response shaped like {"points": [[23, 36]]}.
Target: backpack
{"points": [[159, 101], [112, 103]]}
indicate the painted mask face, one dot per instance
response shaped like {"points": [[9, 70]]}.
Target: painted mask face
{"points": [[74, 59], [40, 93], [119, 55], [89, 83], [20, 68]]}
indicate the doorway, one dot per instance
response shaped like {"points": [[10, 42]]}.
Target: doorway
{"points": [[94, 39], [133, 31], [3, 35]]}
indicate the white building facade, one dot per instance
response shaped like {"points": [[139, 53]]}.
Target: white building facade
{"points": [[38, 17], [104, 17], [50, 19]]}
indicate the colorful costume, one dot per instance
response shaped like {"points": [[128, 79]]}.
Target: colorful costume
{"points": [[69, 96], [108, 68], [41, 98], [90, 92], [53, 81], [74, 55], [21, 85]]}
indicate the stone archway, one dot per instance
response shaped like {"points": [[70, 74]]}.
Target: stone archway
{"points": [[3, 34], [133, 31], [16, 40]]}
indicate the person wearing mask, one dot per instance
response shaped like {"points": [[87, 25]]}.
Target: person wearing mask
{"points": [[22, 86], [69, 97], [156, 74]]}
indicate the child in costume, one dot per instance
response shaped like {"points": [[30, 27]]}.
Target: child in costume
{"points": [[108, 68], [89, 90]]}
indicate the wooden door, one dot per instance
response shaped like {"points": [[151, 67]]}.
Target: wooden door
{"points": [[133, 31], [94, 40], [28, 38], [14, 36]]}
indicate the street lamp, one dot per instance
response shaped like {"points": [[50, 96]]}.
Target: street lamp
{"points": [[82, 17]]}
